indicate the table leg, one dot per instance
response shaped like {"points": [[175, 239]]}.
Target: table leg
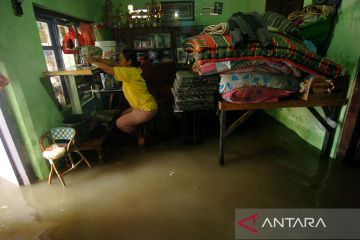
{"points": [[100, 154], [324, 159], [222, 136]]}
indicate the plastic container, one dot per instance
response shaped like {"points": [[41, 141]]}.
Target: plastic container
{"points": [[80, 122], [108, 47]]}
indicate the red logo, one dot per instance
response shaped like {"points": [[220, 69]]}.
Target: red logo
{"points": [[253, 218]]}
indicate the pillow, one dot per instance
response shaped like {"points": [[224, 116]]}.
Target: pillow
{"points": [[232, 81], [53, 152], [255, 95]]}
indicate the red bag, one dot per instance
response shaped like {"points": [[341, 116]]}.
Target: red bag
{"points": [[68, 44], [88, 34]]}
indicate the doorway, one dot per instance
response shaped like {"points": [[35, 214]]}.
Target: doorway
{"points": [[12, 152]]}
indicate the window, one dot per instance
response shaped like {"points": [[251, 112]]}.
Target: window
{"points": [[52, 30]]}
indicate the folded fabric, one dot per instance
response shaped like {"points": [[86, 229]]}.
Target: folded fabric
{"points": [[232, 81], [198, 90], [213, 68], [244, 27], [255, 95], [198, 98], [280, 23], [265, 65], [192, 106], [192, 79], [209, 49], [312, 13], [185, 76]]}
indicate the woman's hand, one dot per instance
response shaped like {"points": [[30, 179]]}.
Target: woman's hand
{"points": [[3, 81], [102, 64], [91, 59]]}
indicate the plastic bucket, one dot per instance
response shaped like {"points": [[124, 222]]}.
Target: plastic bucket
{"points": [[108, 47], [80, 122]]}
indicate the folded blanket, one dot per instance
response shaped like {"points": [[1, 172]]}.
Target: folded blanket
{"points": [[261, 65], [211, 48], [191, 79], [278, 22], [198, 90]]}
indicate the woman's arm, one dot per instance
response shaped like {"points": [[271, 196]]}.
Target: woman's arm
{"points": [[103, 64]]}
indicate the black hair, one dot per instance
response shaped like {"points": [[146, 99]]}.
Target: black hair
{"points": [[130, 54]]}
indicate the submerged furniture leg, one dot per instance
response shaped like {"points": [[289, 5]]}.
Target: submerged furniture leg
{"points": [[224, 132], [198, 127], [222, 135], [324, 160]]}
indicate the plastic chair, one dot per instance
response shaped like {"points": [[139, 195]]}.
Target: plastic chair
{"points": [[58, 143]]}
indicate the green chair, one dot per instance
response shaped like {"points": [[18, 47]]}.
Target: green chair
{"points": [[58, 143]]}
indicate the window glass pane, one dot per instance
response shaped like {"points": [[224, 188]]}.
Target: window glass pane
{"points": [[43, 29], [58, 90], [69, 59], [63, 30], [50, 60]]}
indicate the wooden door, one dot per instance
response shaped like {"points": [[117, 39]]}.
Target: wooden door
{"points": [[349, 145]]}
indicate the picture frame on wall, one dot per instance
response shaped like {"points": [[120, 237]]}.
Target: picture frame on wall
{"points": [[218, 6], [184, 10]]}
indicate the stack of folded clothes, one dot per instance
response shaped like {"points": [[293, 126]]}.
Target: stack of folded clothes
{"points": [[194, 92]]}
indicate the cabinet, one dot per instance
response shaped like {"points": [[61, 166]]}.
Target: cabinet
{"points": [[156, 44], [160, 52], [153, 45]]}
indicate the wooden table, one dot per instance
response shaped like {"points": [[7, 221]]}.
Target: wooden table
{"points": [[331, 109]]}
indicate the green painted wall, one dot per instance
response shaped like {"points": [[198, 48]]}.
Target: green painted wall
{"points": [[23, 59], [229, 7], [344, 49]]}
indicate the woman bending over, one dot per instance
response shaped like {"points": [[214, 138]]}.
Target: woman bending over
{"points": [[143, 106]]}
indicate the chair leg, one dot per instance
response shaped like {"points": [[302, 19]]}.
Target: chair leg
{"points": [[84, 158], [50, 174], [59, 175]]}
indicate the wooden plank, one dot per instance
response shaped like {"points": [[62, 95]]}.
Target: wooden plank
{"points": [[352, 116], [68, 72], [223, 105]]}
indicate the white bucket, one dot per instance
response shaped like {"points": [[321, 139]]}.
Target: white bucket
{"points": [[108, 47]]}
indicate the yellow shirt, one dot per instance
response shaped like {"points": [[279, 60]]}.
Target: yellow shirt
{"points": [[135, 89]]}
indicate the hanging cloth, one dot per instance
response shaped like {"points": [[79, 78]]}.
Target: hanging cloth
{"points": [[69, 42], [88, 33]]}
